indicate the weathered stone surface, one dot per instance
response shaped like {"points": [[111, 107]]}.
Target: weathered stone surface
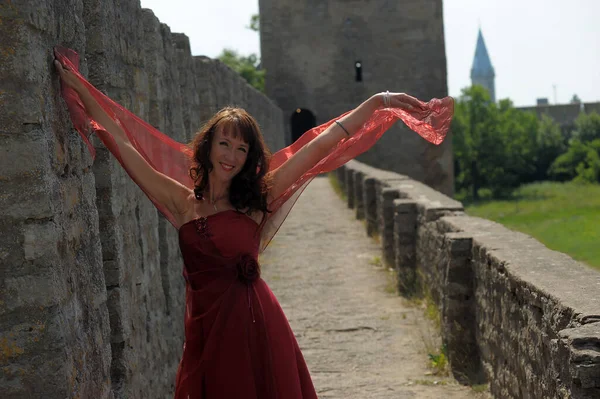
{"points": [[581, 348], [91, 293], [527, 294], [404, 245], [358, 195], [400, 45], [370, 204], [458, 310], [54, 330], [386, 223], [513, 312], [350, 187], [379, 215]]}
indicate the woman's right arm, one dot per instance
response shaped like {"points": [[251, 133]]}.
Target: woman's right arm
{"points": [[167, 191]]}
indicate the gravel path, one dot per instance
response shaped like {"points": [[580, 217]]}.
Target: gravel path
{"points": [[359, 339]]}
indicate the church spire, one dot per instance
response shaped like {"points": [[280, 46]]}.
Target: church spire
{"points": [[482, 72]]}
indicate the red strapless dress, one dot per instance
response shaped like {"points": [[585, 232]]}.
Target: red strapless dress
{"points": [[238, 342]]}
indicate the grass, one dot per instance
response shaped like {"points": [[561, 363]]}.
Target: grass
{"points": [[438, 362], [337, 186], [376, 261], [563, 216], [391, 275], [480, 388], [437, 353]]}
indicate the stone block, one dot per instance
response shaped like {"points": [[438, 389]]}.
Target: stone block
{"points": [[386, 223], [581, 347], [404, 233], [350, 186], [370, 204], [358, 194]]}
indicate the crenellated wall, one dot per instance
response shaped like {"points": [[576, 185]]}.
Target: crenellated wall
{"points": [[514, 313], [91, 293]]}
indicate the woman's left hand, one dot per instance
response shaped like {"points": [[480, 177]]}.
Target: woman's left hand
{"points": [[402, 101]]}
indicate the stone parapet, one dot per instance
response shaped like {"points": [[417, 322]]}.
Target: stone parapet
{"points": [[524, 318], [91, 292]]}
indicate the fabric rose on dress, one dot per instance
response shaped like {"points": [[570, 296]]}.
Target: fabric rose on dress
{"points": [[248, 269]]}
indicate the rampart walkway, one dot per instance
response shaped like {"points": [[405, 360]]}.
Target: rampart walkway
{"points": [[359, 339]]}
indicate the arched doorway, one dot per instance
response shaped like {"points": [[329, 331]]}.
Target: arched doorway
{"points": [[301, 120]]}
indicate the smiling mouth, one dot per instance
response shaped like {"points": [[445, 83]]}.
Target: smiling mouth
{"points": [[226, 167]]}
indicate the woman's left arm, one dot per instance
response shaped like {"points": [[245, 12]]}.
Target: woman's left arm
{"points": [[319, 147]]}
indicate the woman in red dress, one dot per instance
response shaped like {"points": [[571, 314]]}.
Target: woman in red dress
{"points": [[227, 196]]}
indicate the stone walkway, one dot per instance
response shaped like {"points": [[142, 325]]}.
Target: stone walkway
{"points": [[359, 339]]}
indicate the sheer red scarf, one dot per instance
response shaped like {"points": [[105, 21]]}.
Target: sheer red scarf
{"points": [[174, 159]]}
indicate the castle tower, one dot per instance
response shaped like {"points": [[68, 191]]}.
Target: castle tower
{"points": [[482, 72], [324, 57]]}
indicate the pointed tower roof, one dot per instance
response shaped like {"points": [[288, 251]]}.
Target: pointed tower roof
{"points": [[482, 66]]}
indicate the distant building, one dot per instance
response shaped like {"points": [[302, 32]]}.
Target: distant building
{"points": [[563, 114], [323, 58], [482, 72]]}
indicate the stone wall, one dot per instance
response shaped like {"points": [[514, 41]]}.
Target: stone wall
{"points": [[514, 313], [91, 293]]}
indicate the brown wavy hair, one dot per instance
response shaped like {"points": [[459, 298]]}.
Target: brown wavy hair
{"points": [[249, 188]]}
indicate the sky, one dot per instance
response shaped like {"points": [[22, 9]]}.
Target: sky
{"points": [[538, 48]]}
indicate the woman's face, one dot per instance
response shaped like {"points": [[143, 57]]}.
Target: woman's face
{"points": [[228, 155]]}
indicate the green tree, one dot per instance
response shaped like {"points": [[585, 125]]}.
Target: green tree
{"points": [[477, 151], [589, 170], [254, 23], [580, 163], [587, 127], [515, 149], [550, 144], [468, 129], [496, 146], [247, 67]]}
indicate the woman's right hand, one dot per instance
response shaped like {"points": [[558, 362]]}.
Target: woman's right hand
{"points": [[69, 77]]}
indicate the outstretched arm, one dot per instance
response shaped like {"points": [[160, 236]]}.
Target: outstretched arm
{"points": [[319, 147], [165, 190]]}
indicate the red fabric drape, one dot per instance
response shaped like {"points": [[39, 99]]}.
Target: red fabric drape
{"points": [[174, 159]]}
